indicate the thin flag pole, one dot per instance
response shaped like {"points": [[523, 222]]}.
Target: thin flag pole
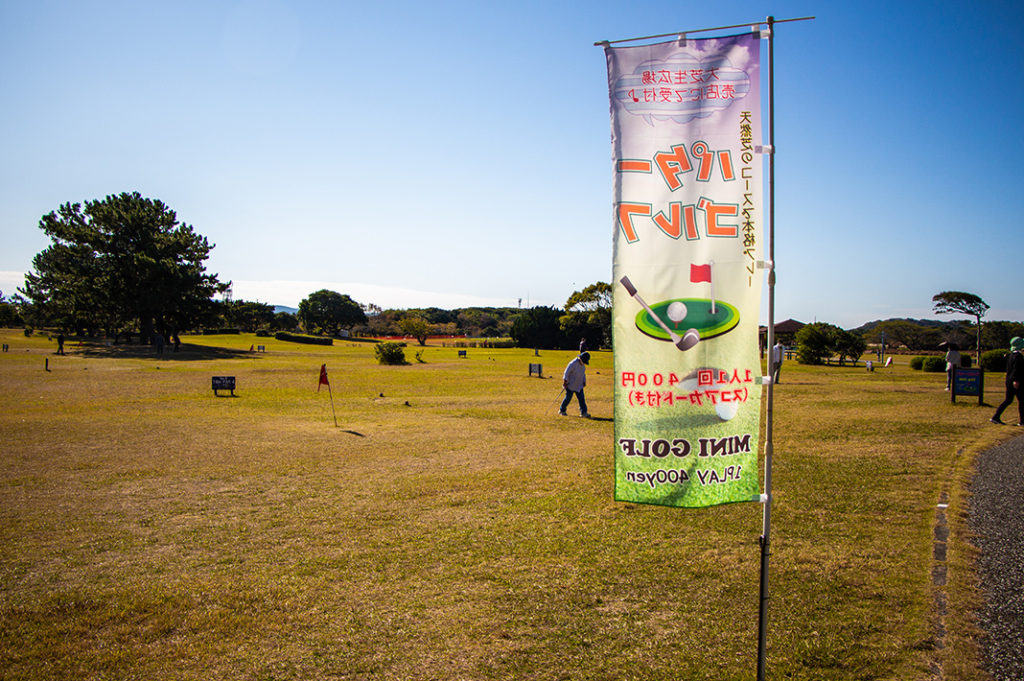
{"points": [[325, 381], [762, 618], [331, 395]]}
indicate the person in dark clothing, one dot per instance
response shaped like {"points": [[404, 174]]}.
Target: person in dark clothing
{"points": [[1014, 381]]}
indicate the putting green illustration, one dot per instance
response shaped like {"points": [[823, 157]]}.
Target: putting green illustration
{"points": [[682, 314]]}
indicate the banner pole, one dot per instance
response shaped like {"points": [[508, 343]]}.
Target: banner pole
{"points": [[600, 43], [762, 638]]}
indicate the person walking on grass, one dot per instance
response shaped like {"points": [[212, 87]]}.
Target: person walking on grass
{"points": [[1014, 381], [573, 381]]}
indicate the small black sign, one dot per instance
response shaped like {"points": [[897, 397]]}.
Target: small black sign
{"points": [[223, 383]]}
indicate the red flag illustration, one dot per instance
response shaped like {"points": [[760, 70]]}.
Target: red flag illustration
{"points": [[699, 273]]}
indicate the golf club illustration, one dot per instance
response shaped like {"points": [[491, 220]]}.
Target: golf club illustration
{"points": [[676, 309]]}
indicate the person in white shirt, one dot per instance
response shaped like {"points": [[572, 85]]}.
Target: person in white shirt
{"points": [[778, 350], [573, 381], [952, 362]]}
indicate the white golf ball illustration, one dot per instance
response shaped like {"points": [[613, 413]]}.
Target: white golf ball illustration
{"points": [[676, 311], [727, 410]]}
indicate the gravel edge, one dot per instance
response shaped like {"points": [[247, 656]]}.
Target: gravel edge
{"points": [[996, 518]]}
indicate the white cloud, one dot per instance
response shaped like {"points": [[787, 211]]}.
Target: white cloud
{"points": [[10, 281], [289, 293]]}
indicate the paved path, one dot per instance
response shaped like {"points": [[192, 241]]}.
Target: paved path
{"points": [[997, 520]]}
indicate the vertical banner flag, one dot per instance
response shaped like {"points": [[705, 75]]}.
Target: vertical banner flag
{"points": [[687, 290]]}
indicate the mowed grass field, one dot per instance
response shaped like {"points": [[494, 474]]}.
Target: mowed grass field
{"points": [[453, 527]]}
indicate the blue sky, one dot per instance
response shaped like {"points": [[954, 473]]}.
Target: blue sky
{"points": [[458, 153]]}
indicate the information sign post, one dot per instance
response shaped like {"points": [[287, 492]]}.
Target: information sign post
{"points": [[968, 383]]}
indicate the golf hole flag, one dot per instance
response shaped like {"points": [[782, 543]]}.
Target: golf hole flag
{"points": [[687, 290]]}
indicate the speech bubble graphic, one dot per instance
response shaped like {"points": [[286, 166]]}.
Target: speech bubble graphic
{"points": [[683, 87]]}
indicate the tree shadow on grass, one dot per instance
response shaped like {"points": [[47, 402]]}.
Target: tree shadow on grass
{"points": [[187, 352]]}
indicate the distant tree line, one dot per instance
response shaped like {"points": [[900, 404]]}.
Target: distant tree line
{"points": [[476, 322], [921, 335], [586, 316], [125, 264]]}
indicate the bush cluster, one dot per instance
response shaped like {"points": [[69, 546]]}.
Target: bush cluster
{"points": [[994, 360], [936, 363], [484, 343], [296, 338], [390, 352], [818, 341]]}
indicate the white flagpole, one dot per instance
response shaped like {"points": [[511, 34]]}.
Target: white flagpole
{"points": [[711, 276], [762, 637]]}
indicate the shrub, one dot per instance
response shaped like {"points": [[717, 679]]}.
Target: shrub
{"points": [[390, 352], [916, 363], [993, 360], [296, 338], [485, 343], [934, 364], [814, 342]]}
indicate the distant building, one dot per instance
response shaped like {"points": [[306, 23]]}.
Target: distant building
{"points": [[785, 333]]}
